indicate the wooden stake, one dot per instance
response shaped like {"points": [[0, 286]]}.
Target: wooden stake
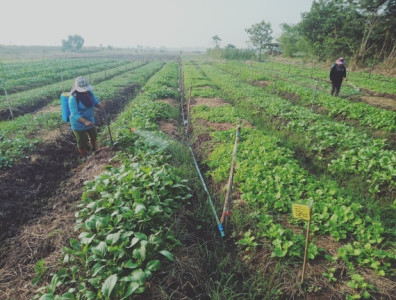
{"points": [[8, 101], [307, 242], [189, 107], [314, 96], [226, 209], [306, 251]]}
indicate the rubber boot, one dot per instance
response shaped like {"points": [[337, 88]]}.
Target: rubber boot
{"points": [[83, 152], [93, 146]]}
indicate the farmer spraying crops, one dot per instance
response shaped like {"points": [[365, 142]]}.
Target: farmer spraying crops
{"points": [[82, 102], [337, 74]]}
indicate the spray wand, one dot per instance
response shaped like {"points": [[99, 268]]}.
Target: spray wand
{"points": [[107, 120]]}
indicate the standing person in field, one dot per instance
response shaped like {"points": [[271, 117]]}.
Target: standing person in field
{"points": [[82, 102], [337, 74]]}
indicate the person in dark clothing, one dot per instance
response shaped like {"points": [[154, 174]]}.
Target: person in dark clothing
{"points": [[337, 74]]}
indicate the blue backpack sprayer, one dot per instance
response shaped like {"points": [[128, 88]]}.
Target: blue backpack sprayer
{"points": [[64, 97]]}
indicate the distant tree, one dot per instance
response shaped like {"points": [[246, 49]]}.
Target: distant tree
{"points": [[379, 37], [216, 39], [73, 43], [364, 31], [333, 28], [230, 46], [289, 39], [260, 36]]}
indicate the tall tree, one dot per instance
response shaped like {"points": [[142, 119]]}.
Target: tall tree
{"points": [[289, 39], [379, 35], [73, 43], [363, 30], [260, 36], [216, 39], [333, 27]]}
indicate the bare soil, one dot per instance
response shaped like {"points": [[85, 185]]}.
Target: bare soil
{"points": [[38, 198], [44, 236], [381, 102], [261, 83], [377, 94], [210, 102], [5, 114], [170, 128]]}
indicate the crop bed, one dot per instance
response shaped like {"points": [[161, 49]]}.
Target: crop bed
{"points": [[132, 221], [352, 250]]}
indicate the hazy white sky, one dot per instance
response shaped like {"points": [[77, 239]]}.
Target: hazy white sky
{"points": [[153, 23]]}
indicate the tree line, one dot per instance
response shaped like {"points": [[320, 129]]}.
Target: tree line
{"points": [[363, 31]]}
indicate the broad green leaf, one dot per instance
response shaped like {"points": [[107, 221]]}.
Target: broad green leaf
{"points": [[141, 236], [90, 295], [134, 241], [100, 249], [167, 254], [140, 253], [139, 276], [153, 265], [155, 209], [47, 297], [140, 290], [108, 285], [67, 296], [130, 264], [357, 252], [113, 238], [140, 208], [75, 244], [133, 286], [86, 237], [97, 268]]}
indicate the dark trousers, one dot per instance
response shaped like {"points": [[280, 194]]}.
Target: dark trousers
{"points": [[335, 88]]}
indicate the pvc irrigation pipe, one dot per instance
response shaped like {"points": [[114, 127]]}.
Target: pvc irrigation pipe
{"points": [[219, 225]]}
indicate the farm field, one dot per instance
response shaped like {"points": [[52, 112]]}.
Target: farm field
{"points": [[134, 220]]}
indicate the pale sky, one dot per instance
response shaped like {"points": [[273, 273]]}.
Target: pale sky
{"points": [[150, 23]]}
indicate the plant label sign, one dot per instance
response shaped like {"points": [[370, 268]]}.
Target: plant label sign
{"points": [[301, 211]]}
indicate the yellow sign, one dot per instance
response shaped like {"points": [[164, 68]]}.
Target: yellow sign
{"points": [[301, 211]]}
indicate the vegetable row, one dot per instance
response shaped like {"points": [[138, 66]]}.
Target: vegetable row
{"points": [[126, 218], [30, 98], [33, 75], [336, 145], [376, 83], [305, 88], [16, 139], [269, 180]]}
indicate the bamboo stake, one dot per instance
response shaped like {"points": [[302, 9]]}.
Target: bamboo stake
{"points": [[226, 209], [8, 100], [189, 109], [314, 96], [307, 242]]}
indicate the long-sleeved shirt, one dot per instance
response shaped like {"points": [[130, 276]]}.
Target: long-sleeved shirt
{"points": [[78, 110], [337, 74]]}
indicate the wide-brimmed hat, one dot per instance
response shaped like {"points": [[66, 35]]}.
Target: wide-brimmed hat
{"points": [[340, 61], [81, 85]]}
